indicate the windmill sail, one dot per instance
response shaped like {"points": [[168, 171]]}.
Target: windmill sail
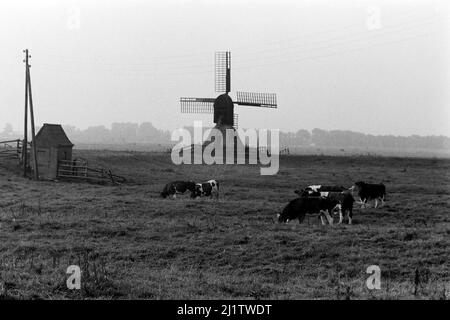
{"points": [[267, 100], [223, 71], [197, 105], [235, 121]]}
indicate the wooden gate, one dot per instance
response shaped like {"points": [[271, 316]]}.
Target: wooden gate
{"points": [[11, 149], [78, 169]]}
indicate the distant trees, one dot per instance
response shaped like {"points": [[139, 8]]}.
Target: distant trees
{"points": [[303, 137], [120, 133], [99, 133], [124, 132], [345, 138], [146, 132]]}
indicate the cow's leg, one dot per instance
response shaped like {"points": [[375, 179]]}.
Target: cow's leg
{"points": [[350, 215], [376, 203], [341, 216], [321, 219], [363, 203], [329, 218], [327, 215]]}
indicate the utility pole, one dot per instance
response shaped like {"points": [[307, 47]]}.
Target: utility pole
{"points": [[28, 95], [33, 132], [25, 125]]}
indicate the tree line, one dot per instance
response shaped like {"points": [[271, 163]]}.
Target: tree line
{"points": [[146, 132]]}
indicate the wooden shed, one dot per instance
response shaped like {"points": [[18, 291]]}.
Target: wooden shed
{"points": [[52, 145]]}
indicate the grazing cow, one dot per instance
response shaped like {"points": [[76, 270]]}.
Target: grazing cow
{"points": [[178, 187], [346, 200], [208, 189], [298, 208], [370, 191]]}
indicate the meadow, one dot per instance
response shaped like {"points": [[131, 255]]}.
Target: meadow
{"points": [[132, 244]]}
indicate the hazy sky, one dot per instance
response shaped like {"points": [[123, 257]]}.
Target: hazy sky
{"points": [[379, 67]]}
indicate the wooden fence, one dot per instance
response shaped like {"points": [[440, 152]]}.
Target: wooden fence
{"points": [[283, 151], [78, 169], [11, 149]]}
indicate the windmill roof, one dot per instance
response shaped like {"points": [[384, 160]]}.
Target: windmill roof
{"points": [[52, 135]]}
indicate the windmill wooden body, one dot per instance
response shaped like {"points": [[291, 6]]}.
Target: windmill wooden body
{"points": [[223, 106]]}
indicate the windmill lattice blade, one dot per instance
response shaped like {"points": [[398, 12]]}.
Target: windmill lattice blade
{"points": [[197, 105], [235, 121], [223, 71], [267, 100]]}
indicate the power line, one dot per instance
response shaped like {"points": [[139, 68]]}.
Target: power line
{"points": [[169, 59], [207, 68], [296, 60], [386, 31]]}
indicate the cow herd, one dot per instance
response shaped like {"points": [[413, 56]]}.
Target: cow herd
{"points": [[327, 200], [323, 200], [209, 188]]}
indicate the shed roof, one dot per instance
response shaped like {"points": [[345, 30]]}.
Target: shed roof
{"points": [[52, 135]]}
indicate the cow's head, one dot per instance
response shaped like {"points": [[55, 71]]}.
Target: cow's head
{"points": [[283, 217], [213, 183], [357, 186], [198, 189]]}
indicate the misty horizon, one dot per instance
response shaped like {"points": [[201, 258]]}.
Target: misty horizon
{"points": [[10, 130], [122, 136]]}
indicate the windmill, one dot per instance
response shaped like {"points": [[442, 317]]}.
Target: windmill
{"points": [[223, 106]]}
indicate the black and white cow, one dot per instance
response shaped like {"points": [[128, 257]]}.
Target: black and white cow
{"points": [[298, 208], [178, 187], [370, 191], [345, 198], [209, 188]]}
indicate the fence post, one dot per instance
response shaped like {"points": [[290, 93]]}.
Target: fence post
{"points": [[111, 176]]}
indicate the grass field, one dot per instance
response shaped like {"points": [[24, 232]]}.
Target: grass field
{"points": [[130, 243]]}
